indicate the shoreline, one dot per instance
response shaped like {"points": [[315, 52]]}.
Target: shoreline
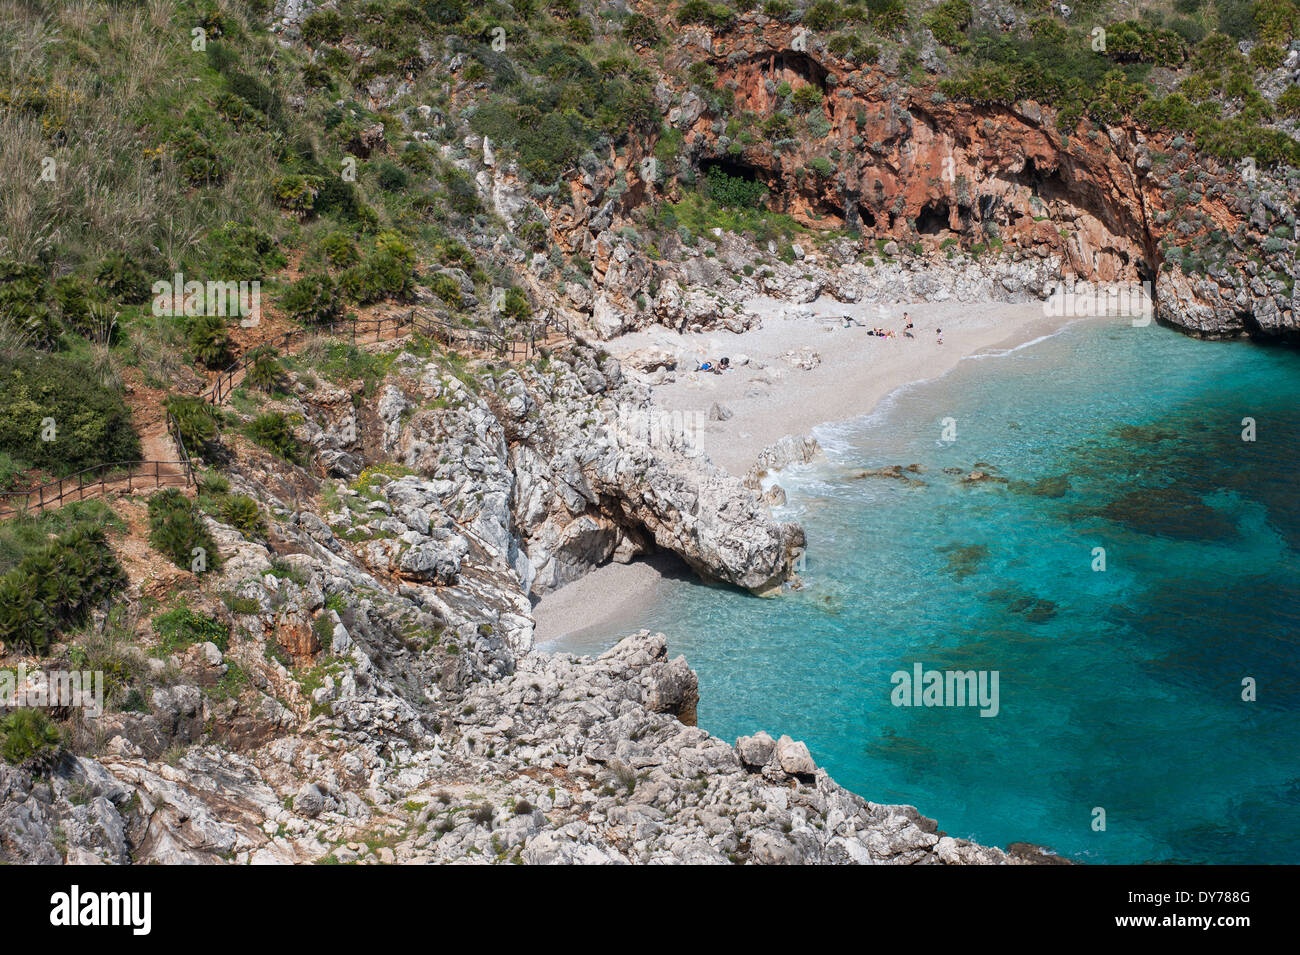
{"points": [[766, 406], [769, 396]]}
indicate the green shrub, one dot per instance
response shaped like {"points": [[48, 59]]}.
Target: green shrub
{"points": [[28, 736], [196, 158], [24, 624], [180, 628], [91, 423], [195, 420], [533, 234], [213, 482], [256, 93], [56, 585], [778, 126], [948, 22], [339, 250], [322, 26], [639, 28], [1266, 56], [806, 97], [237, 604], [241, 253], [728, 190], [339, 199], [297, 194], [274, 432], [209, 341], [454, 253], [10, 470], [392, 177], [242, 513], [446, 288], [888, 16], [317, 77], [123, 278], [313, 300], [821, 166], [823, 15], [514, 306], [577, 106], [79, 303], [1277, 22], [709, 14], [1289, 102], [345, 362], [23, 294], [264, 371], [1135, 41], [177, 531], [388, 273]]}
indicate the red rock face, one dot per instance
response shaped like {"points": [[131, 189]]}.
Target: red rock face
{"points": [[907, 164], [916, 168], [892, 161], [296, 637]]}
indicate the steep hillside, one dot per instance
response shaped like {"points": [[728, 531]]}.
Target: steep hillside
{"points": [[303, 402]]}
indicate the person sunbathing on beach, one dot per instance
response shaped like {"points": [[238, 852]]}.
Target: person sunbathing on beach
{"points": [[718, 367], [939, 334]]}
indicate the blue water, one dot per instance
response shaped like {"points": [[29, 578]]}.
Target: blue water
{"points": [[1119, 689]]}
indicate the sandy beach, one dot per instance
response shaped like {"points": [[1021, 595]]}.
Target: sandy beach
{"points": [[770, 396]]}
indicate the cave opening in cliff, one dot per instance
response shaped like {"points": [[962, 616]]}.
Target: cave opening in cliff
{"points": [[1043, 184], [933, 218], [732, 183], [1147, 276], [788, 63], [865, 219]]}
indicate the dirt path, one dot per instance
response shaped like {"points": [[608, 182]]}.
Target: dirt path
{"points": [[161, 465]]}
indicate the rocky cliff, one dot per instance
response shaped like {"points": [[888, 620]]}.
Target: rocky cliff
{"points": [[565, 761], [550, 469], [994, 202], [378, 698]]}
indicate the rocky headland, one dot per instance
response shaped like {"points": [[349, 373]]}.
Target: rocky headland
{"points": [[379, 697]]}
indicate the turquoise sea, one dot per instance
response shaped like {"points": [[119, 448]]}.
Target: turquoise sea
{"points": [[1119, 689]]}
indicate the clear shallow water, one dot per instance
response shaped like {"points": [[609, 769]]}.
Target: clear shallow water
{"points": [[1118, 689]]}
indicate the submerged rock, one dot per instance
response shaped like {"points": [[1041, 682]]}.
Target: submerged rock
{"points": [[895, 472], [982, 477], [964, 560], [1056, 486]]}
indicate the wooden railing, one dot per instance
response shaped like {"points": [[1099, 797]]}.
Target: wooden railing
{"points": [[128, 475], [97, 479], [225, 382], [174, 429], [484, 339], [142, 474]]}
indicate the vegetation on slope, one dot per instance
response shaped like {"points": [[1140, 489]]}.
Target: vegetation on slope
{"points": [[49, 584]]}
